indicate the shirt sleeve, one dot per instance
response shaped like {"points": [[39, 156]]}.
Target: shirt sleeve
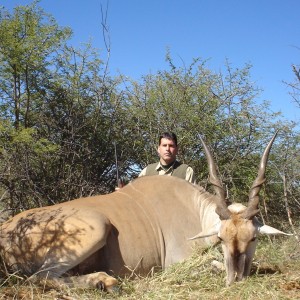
{"points": [[190, 176], [143, 172]]}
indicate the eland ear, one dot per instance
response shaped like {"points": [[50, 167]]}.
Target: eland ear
{"points": [[265, 229], [203, 235], [214, 230]]}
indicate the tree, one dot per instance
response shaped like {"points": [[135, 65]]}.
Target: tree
{"points": [[29, 37], [191, 101], [57, 112], [295, 86], [79, 115]]}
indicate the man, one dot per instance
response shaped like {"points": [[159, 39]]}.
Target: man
{"points": [[168, 165]]}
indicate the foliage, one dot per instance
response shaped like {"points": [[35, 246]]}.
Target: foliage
{"points": [[24, 163], [195, 101], [294, 87], [58, 126], [28, 39]]}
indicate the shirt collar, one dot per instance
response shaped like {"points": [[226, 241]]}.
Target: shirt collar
{"points": [[160, 167]]}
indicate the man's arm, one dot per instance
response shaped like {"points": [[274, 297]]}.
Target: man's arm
{"points": [[190, 176]]}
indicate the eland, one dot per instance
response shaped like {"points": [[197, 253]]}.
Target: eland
{"points": [[149, 224]]}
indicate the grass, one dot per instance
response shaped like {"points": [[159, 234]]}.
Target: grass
{"points": [[275, 275]]}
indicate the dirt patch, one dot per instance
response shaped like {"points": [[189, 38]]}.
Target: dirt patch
{"points": [[265, 268], [291, 285]]}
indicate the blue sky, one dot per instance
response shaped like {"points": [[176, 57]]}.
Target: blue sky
{"points": [[264, 33]]}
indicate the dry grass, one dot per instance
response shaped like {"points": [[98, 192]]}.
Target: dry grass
{"points": [[276, 275]]}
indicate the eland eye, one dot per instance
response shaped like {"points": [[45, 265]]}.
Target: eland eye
{"points": [[253, 239]]}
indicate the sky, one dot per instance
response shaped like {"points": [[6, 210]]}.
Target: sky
{"points": [[263, 33]]}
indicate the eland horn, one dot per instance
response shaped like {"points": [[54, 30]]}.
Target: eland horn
{"points": [[221, 209], [252, 208]]}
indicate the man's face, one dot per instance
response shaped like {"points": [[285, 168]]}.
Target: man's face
{"points": [[167, 151]]}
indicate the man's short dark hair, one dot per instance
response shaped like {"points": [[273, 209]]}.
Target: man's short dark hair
{"points": [[168, 135]]}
